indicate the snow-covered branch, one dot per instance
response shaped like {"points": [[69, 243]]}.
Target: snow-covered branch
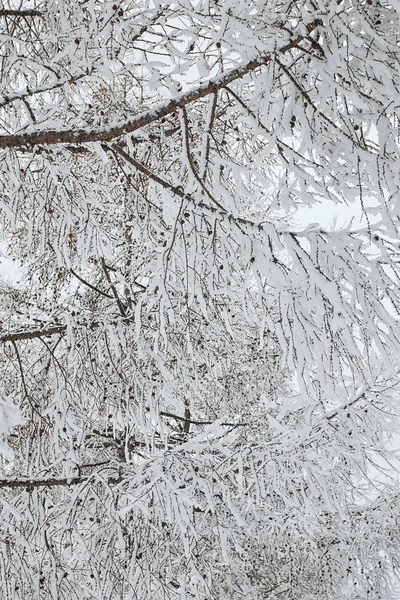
{"points": [[156, 113]]}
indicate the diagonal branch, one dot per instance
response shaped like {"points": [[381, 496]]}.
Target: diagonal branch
{"points": [[308, 99], [121, 307], [180, 193], [79, 136], [89, 285]]}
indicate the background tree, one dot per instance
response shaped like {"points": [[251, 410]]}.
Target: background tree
{"points": [[203, 380]]}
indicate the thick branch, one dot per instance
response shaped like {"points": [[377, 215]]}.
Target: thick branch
{"points": [[31, 334], [79, 136], [30, 12], [30, 484]]}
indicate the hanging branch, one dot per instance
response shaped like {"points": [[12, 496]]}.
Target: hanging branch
{"points": [[207, 135], [185, 127]]}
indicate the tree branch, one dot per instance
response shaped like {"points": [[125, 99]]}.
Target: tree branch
{"points": [[79, 136], [49, 87], [30, 12], [185, 133], [207, 134], [31, 334], [163, 413], [178, 191], [358, 398], [89, 285], [30, 484], [121, 307]]}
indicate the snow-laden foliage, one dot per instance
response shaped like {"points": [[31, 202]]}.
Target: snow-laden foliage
{"points": [[207, 383]]}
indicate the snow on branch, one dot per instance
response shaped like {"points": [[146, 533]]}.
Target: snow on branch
{"points": [[80, 136], [31, 334], [30, 484]]}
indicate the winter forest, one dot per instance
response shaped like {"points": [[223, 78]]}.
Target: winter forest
{"points": [[199, 299]]}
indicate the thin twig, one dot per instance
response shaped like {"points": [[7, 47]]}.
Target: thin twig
{"points": [[163, 413], [191, 163], [210, 123], [92, 287], [121, 307]]}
